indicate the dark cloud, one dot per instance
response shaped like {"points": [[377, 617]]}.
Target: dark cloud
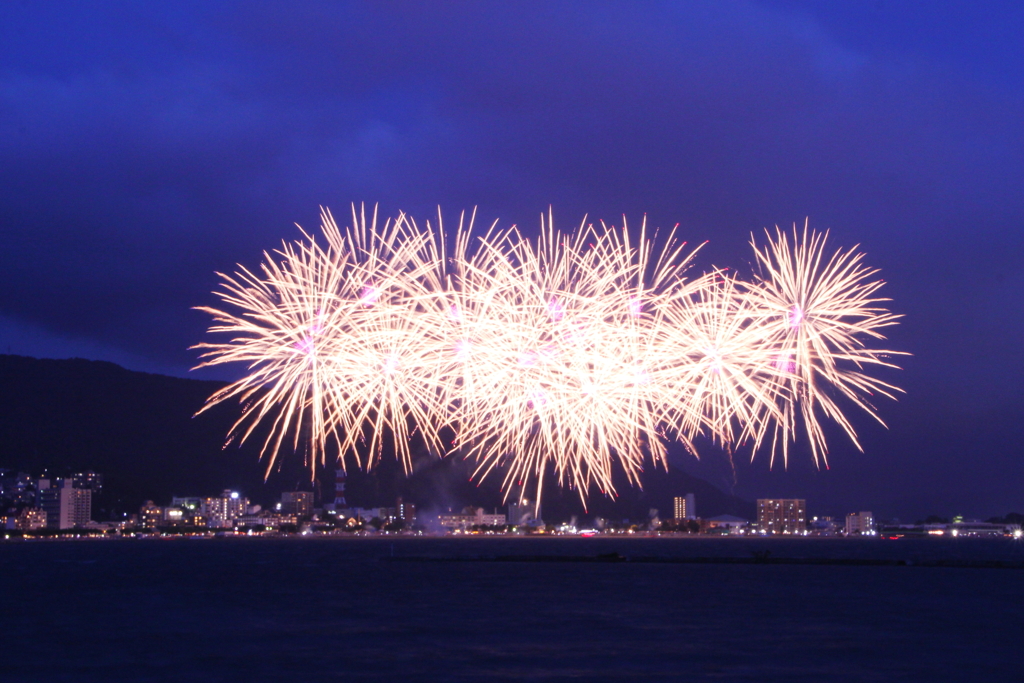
{"points": [[146, 147]]}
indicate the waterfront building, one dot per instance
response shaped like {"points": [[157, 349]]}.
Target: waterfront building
{"points": [[782, 515], [176, 516], [824, 526], [220, 512], [470, 517], [65, 506], [368, 514], [456, 522], [150, 515], [522, 514], [298, 503], [236, 504], [266, 519], [494, 519], [406, 512], [277, 521], [684, 507], [860, 523], [191, 508], [725, 524], [213, 509], [28, 519], [192, 504]]}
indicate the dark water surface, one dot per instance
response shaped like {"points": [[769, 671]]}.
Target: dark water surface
{"points": [[241, 609]]}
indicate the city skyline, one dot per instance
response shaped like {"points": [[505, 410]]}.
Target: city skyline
{"points": [[150, 147], [45, 501]]}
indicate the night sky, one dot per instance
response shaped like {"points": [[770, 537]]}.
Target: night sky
{"points": [[144, 146]]}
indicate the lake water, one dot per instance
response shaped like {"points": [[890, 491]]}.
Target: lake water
{"points": [[259, 609]]}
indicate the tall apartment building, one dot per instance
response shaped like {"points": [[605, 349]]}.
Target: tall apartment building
{"points": [[65, 505], [782, 515], [88, 480], [684, 507], [522, 513], [860, 523], [405, 511], [222, 511], [298, 503]]}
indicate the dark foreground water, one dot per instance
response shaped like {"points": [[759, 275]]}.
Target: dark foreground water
{"points": [[342, 610]]}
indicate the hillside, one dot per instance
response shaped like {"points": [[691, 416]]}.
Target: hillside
{"points": [[138, 430]]}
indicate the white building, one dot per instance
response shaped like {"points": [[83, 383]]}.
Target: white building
{"points": [[66, 506], [469, 518], [222, 511], [860, 523]]}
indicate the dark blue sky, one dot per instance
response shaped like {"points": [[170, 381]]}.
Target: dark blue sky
{"points": [[145, 146]]}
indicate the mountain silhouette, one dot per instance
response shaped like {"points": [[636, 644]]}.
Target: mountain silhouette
{"points": [[141, 432]]}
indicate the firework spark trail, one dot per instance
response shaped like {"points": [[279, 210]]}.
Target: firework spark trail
{"points": [[577, 353]]}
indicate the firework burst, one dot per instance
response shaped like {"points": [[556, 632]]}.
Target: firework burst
{"points": [[330, 338], [574, 354], [553, 351], [817, 313]]}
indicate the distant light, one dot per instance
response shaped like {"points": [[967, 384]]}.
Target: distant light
{"points": [[1017, 533], [234, 494]]}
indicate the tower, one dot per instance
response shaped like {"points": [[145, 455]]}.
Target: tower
{"points": [[339, 489]]}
